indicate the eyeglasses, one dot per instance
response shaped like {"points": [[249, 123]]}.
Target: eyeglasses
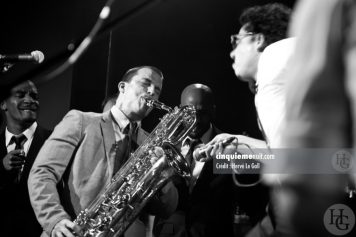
{"points": [[235, 39]]}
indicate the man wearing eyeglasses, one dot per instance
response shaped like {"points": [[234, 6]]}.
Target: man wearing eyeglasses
{"points": [[261, 55]]}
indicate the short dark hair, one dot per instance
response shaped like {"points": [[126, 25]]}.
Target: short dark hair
{"points": [[133, 71], [271, 20]]}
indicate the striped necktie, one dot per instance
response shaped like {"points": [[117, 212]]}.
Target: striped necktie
{"points": [[19, 141], [123, 147]]}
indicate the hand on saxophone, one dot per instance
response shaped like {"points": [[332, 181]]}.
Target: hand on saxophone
{"points": [[221, 144], [156, 153], [158, 158], [65, 228]]}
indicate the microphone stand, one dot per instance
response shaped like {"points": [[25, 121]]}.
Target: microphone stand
{"points": [[96, 32]]}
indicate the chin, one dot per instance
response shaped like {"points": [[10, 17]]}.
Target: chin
{"points": [[29, 120], [29, 116], [236, 71]]}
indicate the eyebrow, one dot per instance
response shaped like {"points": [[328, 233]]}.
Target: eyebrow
{"points": [[25, 91], [146, 79]]}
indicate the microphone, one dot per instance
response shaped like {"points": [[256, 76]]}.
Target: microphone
{"points": [[35, 57], [199, 151]]}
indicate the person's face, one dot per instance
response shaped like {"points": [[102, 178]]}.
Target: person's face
{"points": [[146, 83], [21, 107], [204, 111], [245, 55]]}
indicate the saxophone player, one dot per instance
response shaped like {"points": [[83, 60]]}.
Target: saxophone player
{"points": [[87, 149]]}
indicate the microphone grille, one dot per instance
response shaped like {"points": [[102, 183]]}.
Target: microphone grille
{"points": [[38, 56]]}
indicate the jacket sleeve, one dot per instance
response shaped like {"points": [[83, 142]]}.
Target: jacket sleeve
{"points": [[48, 168]]}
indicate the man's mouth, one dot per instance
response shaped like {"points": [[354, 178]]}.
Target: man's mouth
{"points": [[146, 97], [145, 100], [28, 109]]}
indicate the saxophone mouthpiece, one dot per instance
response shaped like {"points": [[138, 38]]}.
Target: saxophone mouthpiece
{"points": [[156, 104]]}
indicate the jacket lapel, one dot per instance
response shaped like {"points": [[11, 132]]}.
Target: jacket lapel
{"points": [[3, 150], [141, 136], [108, 135], [33, 151], [37, 142]]}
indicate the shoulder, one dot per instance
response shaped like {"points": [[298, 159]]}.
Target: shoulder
{"points": [[275, 60], [83, 117], [78, 113], [284, 46], [76, 121], [275, 54]]}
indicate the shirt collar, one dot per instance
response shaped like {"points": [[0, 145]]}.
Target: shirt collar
{"points": [[29, 132], [120, 118]]}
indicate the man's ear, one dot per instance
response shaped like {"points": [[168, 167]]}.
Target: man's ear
{"points": [[260, 40], [121, 87], [3, 106]]}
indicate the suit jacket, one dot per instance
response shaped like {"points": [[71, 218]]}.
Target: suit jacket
{"points": [[74, 166], [209, 210], [15, 203]]}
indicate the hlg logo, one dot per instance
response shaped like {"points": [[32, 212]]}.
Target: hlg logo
{"points": [[342, 161], [339, 219]]}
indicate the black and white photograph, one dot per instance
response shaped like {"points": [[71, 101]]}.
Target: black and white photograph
{"points": [[178, 118]]}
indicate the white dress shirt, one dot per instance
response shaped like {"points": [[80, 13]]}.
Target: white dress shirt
{"points": [[120, 123], [28, 134]]}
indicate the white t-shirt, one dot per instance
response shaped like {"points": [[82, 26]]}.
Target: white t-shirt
{"points": [[270, 80]]}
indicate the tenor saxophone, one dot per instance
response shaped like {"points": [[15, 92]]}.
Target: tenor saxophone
{"points": [[138, 180]]}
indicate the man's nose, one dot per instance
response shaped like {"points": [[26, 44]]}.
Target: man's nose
{"points": [[28, 98], [151, 90], [232, 55]]}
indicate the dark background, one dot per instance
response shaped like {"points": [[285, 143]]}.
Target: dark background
{"points": [[189, 40]]}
